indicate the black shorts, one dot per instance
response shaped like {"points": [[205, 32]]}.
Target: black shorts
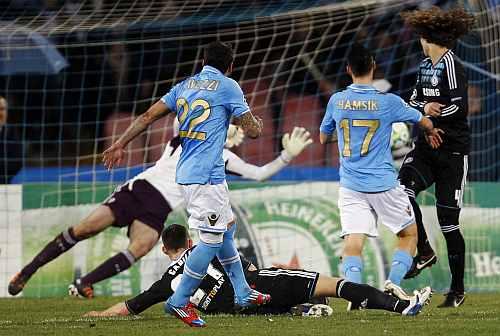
{"points": [[287, 288], [448, 171], [138, 200]]}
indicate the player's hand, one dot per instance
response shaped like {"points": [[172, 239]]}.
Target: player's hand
{"points": [[235, 136], [433, 137], [433, 109], [284, 266], [95, 313], [113, 156], [260, 122], [294, 144]]}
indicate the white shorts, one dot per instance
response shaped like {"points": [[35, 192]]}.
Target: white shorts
{"points": [[208, 207], [359, 211]]}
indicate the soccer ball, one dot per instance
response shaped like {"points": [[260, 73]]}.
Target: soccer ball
{"points": [[400, 135]]}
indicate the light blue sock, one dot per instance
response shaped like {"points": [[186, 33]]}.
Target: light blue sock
{"points": [[194, 270], [401, 263], [230, 259], [353, 268]]}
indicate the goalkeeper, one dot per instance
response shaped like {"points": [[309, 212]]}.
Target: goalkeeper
{"points": [[287, 287], [142, 204]]}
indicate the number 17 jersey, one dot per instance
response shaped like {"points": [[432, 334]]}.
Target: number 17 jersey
{"points": [[363, 118], [204, 105]]}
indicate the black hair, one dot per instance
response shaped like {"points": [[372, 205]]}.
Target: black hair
{"points": [[219, 55], [174, 237], [439, 26], [360, 60]]}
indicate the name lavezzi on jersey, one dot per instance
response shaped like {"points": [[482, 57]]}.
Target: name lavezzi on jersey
{"points": [[204, 104], [445, 83]]}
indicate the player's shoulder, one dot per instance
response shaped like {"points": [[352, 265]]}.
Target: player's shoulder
{"points": [[451, 61], [230, 83]]}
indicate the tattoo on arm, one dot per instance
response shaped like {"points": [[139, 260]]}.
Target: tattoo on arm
{"points": [[250, 125], [142, 122]]}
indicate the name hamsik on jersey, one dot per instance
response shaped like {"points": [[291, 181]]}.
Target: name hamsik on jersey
{"points": [[444, 83], [204, 104], [363, 118]]}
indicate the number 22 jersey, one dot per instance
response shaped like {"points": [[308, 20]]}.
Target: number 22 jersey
{"points": [[204, 105]]}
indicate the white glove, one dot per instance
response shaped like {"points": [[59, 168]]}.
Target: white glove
{"points": [[294, 144], [235, 136]]}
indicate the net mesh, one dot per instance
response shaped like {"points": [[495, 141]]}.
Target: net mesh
{"points": [[118, 57]]}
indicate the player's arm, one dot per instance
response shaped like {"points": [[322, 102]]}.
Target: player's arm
{"points": [[455, 81], [403, 112], [327, 128], [158, 292], [293, 145], [114, 154], [250, 124]]}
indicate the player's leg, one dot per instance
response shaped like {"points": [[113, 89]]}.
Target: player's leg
{"points": [[395, 212], [449, 192], [97, 221], [142, 239], [203, 204], [416, 175], [230, 259], [369, 297], [358, 220]]}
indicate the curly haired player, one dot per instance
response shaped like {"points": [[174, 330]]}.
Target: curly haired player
{"points": [[441, 95]]}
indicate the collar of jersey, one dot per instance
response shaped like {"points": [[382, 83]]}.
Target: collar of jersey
{"points": [[211, 69], [361, 87]]}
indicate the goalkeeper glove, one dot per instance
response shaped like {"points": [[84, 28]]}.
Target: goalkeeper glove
{"points": [[294, 144], [235, 136]]}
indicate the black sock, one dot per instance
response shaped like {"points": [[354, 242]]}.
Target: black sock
{"points": [[61, 243], [423, 246], [369, 297], [114, 265], [456, 258]]}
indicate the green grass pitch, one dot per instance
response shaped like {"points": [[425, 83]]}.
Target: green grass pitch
{"points": [[480, 315]]}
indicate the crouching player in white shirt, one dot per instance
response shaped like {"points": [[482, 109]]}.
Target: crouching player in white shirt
{"points": [[142, 204]]}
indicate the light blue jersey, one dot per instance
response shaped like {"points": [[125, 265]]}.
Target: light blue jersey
{"points": [[363, 118], [204, 104]]}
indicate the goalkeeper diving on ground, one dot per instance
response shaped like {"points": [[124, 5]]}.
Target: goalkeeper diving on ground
{"points": [[287, 287], [142, 204]]}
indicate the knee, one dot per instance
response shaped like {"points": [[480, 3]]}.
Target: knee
{"points": [[353, 246], [410, 233], [448, 218], [139, 248]]}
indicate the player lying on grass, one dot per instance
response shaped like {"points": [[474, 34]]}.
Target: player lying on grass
{"points": [[142, 204], [288, 288], [369, 190]]}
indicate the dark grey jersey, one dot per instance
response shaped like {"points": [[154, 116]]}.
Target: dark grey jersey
{"points": [[444, 83]]}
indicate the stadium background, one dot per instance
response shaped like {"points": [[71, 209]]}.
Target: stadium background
{"points": [[114, 59]]}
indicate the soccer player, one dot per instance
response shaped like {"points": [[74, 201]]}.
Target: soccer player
{"points": [[143, 203], [204, 105], [441, 95], [288, 288], [369, 189]]}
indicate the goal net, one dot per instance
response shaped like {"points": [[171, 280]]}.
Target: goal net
{"points": [[75, 75]]}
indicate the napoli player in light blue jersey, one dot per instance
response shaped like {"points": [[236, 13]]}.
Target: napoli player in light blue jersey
{"points": [[369, 189], [204, 105]]}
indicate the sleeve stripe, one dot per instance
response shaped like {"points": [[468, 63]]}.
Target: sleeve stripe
{"points": [[450, 112], [416, 103], [451, 107], [450, 69]]}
